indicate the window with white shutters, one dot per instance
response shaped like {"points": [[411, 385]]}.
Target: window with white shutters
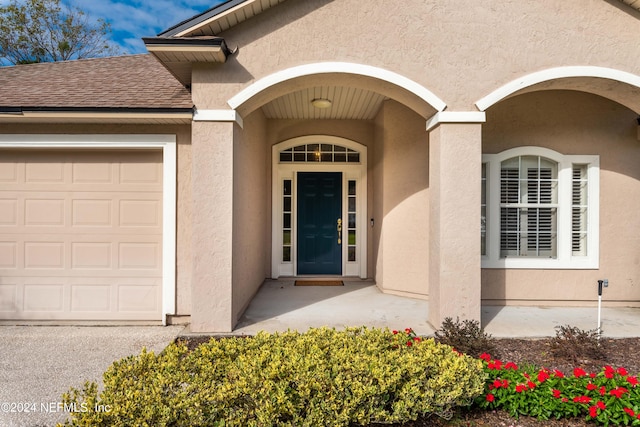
{"points": [[539, 209], [528, 207]]}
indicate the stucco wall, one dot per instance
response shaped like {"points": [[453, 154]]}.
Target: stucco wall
{"points": [[460, 50], [401, 201], [576, 123], [251, 210]]}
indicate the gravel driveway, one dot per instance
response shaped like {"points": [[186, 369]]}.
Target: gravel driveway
{"points": [[39, 363]]}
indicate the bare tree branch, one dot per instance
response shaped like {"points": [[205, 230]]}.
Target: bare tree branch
{"points": [[43, 31]]}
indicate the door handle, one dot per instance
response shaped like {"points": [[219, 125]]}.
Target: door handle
{"points": [[339, 222]]}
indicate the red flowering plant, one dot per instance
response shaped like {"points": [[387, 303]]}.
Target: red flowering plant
{"points": [[406, 338], [611, 396]]}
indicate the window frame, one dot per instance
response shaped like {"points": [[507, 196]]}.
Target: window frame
{"points": [[564, 256]]}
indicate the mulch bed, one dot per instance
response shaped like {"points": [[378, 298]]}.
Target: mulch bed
{"points": [[620, 352]]}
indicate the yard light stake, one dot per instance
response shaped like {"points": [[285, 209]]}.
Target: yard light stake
{"points": [[599, 305]]}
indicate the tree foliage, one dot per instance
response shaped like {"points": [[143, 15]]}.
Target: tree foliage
{"points": [[34, 31]]}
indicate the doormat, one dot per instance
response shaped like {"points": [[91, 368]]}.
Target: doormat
{"points": [[319, 283]]}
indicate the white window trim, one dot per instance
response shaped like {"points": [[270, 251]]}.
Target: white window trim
{"points": [[350, 171], [164, 142], [565, 259]]}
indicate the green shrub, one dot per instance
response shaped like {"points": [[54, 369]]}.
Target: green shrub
{"points": [[322, 377], [576, 344], [466, 336]]}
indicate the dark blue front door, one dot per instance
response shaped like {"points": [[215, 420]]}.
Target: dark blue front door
{"points": [[319, 219]]}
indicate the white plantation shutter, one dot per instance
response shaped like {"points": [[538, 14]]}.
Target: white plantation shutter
{"points": [[509, 216], [483, 212], [579, 210], [528, 207], [540, 209]]}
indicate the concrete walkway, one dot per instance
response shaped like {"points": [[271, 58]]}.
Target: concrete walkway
{"points": [[40, 363], [279, 305]]}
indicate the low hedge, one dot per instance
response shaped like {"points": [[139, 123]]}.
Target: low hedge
{"points": [[321, 377]]}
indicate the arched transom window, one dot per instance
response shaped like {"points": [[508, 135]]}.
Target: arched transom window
{"points": [[318, 152]]}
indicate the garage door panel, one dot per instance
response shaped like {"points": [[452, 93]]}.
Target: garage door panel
{"points": [[140, 213], [80, 209], [81, 235], [88, 212], [92, 172], [81, 298], [92, 298], [44, 298], [92, 255], [44, 212], [8, 296], [139, 256], [48, 172], [8, 212], [47, 255], [135, 173], [136, 296], [9, 173], [8, 255]]}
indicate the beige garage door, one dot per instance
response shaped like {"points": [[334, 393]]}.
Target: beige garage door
{"points": [[80, 235]]}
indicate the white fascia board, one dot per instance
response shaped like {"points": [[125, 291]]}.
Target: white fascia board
{"points": [[456, 117], [218, 116], [86, 140], [100, 115]]}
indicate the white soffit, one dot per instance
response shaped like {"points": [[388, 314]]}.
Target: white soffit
{"points": [[633, 3], [346, 103], [229, 18]]}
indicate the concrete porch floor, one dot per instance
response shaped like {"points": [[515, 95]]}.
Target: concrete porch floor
{"points": [[279, 305]]}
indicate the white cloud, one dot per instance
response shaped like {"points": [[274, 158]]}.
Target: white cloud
{"points": [[132, 19]]}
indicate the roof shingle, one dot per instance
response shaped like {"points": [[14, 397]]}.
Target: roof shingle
{"points": [[131, 81]]}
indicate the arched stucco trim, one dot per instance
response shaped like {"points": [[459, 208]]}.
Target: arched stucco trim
{"points": [[554, 74], [337, 67]]}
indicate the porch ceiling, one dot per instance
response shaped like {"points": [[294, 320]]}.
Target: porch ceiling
{"points": [[346, 103], [633, 3]]}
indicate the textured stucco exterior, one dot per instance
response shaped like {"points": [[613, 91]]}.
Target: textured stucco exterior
{"points": [[252, 210], [575, 88], [401, 201], [424, 212], [576, 123], [454, 267], [443, 46]]}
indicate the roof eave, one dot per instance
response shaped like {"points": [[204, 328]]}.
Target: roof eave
{"points": [[633, 3], [220, 18], [13, 114], [205, 16], [178, 55]]}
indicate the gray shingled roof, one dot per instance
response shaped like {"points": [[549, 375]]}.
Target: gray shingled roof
{"points": [[132, 81]]}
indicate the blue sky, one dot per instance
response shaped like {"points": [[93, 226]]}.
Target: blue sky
{"points": [[132, 19]]}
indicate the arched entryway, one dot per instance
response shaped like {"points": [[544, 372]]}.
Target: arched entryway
{"points": [[319, 204]]}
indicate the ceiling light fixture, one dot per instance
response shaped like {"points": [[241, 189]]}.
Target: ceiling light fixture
{"points": [[321, 103]]}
